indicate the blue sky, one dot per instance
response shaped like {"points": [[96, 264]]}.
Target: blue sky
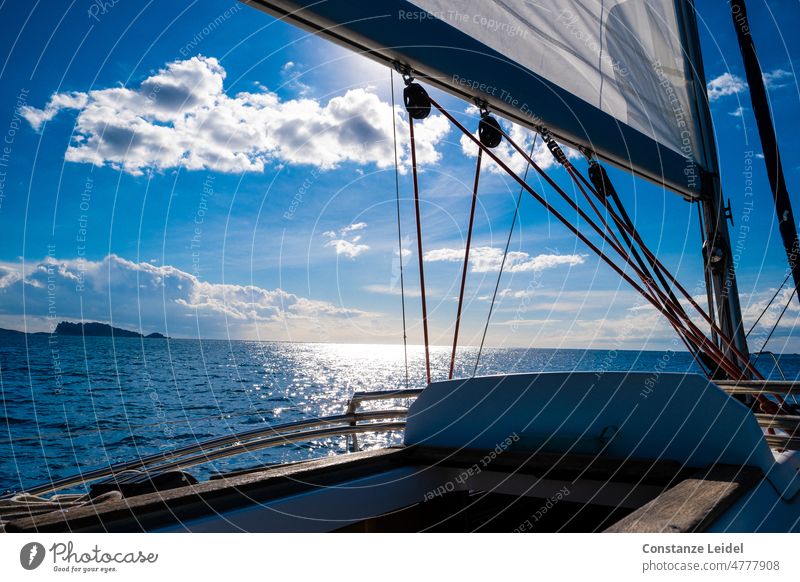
{"points": [[299, 242]]}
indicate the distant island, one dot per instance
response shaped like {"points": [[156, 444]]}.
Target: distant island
{"points": [[91, 329]]}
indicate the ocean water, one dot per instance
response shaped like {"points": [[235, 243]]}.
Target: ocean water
{"points": [[70, 404]]}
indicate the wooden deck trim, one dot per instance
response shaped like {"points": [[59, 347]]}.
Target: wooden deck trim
{"points": [[165, 508], [690, 505], [693, 504]]}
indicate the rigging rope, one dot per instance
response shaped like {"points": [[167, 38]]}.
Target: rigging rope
{"points": [[673, 303], [774, 327], [466, 263], [419, 248], [603, 190], [678, 318], [730, 368], [399, 234], [505, 255], [769, 304]]}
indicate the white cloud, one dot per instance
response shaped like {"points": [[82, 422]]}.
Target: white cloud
{"points": [[182, 117], [354, 227], [789, 321], [349, 249], [58, 101], [738, 112], [489, 259], [528, 322], [775, 79], [291, 74], [396, 290], [163, 298], [724, 85], [347, 244], [728, 84]]}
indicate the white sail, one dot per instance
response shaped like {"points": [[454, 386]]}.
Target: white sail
{"points": [[614, 76]]}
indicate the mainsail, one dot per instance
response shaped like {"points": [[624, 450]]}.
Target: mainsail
{"points": [[615, 77]]}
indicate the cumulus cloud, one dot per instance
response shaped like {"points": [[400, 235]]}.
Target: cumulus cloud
{"points": [[182, 117], [164, 298], [728, 84], [292, 74], [344, 242], [350, 249], [354, 227], [489, 259], [724, 85], [777, 79], [58, 101]]}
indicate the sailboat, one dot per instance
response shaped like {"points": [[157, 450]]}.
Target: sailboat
{"points": [[622, 83]]}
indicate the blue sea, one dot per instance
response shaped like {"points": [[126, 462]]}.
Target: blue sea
{"points": [[69, 404]]}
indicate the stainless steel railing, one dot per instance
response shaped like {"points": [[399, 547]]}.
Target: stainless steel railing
{"points": [[379, 395], [349, 424], [792, 388], [788, 424]]}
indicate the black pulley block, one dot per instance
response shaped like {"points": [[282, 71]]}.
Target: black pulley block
{"points": [[489, 132], [418, 104]]}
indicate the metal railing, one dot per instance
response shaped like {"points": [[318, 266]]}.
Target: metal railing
{"points": [[756, 387], [349, 424], [788, 424], [379, 395]]}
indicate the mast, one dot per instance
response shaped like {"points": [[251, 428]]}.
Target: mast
{"points": [[717, 254], [769, 142]]}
